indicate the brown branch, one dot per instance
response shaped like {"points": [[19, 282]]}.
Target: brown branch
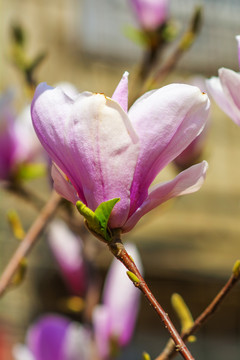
{"points": [[118, 250], [29, 240], [169, 351], [184, 44]]}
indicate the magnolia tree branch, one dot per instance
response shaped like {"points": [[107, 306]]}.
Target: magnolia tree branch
{"points": [[184, 44], [30, 239], [118, 250], [25, 194], [170, 351]]}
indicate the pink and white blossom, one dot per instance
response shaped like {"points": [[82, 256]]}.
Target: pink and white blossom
{"points": [[18, 141], [55, 337], [103, 151], [115, 319], [151, 14], [68, 251], [225, 90]]}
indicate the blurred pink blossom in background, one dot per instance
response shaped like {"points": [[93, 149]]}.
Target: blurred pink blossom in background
{"points": [[67, 249], [114, 321], [55, 337], [150, 14], [225, 90], [18, 142]]}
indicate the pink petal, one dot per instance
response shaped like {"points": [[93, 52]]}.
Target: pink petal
{"points": [[238, 41], [77, 344], [90, 139], [188, 181], [119, 293], [230, 81], [67, 249], [225, 102], [151, 14], [56, 337], [68, 88], [46, 337], [167, 121], [21, 352], [9, 141], [29, 145], [120, 94], [101, 324], [62, 186], [50, 110]]}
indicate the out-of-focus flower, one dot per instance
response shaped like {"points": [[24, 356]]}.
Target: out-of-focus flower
{"points": [[225, 90], [18, 142], [9, 142], [151, 14], [21, 352], [30, 145], [114, 320], [102, 152], [67, 249], [55, 337]]}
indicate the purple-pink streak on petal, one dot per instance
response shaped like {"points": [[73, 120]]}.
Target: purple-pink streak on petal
{"points": [[188, 181], [167, 121]]}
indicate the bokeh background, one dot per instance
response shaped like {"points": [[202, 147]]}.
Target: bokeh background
{"points": [[188, 245]]}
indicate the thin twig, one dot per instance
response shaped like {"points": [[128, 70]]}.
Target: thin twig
{"points": [[184, 44], [118, 250], [29, 240], [37, 202], [169, 351], [26, 194]]}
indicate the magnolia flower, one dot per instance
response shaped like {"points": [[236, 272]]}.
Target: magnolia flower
{"points": [[9, 141], [115, 319], [54, 337], [103, 151], [67, 249], [225, 90], [18, 141], [151, 14]]}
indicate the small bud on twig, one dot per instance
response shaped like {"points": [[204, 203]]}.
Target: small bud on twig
{"points": [[183, 313], [146, 356], [16, 225], [133, 277], [236, 269]]}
